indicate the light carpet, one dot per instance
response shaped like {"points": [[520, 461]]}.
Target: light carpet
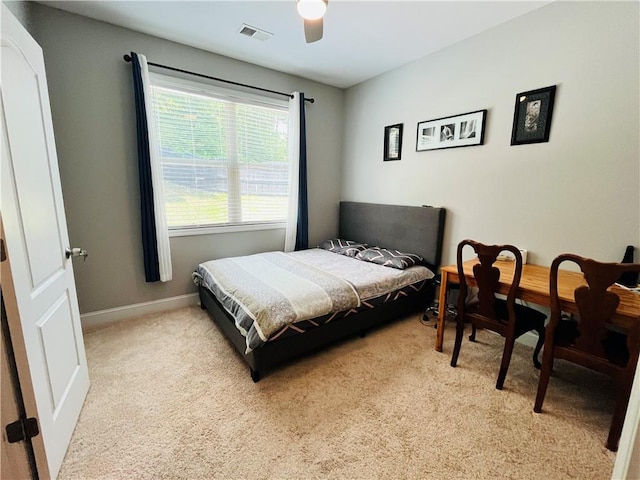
{"points": [[171, 398]]}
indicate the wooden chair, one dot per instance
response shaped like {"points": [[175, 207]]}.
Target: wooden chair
{"points": [[589, 339], [505, 317]]}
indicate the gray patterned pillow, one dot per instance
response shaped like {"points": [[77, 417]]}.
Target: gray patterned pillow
{"points": [[389, 258], [343, 247]]}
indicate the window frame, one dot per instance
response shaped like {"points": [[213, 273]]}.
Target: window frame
{"points": [[213, 91]]}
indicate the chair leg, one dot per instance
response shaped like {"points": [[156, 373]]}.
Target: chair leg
{"points": [[458, 342], [472, 337], [536, 351], [616, 425], [622, 402], [545, 374], [506, 359]]}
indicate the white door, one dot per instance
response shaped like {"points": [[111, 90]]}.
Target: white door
{"points": [[36, 239]]}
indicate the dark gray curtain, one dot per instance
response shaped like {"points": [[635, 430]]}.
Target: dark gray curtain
{"points": [[302, 231], [147, 210]]}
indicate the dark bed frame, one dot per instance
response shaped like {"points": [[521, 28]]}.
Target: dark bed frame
{"points": [[410, 229]]}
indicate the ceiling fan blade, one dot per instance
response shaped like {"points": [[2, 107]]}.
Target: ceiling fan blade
{"points": [[313, 30]]}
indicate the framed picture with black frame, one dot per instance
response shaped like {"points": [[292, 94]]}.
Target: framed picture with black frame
{"points": [[393, 142], [532, 116], [463, 130]]}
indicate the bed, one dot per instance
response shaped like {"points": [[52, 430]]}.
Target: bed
{"points": [[276, 306]]}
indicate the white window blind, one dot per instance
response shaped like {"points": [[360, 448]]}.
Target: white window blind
{"points": [[224, 157]]}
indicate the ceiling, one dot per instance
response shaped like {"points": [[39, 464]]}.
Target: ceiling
{"points": [[362, 39]]}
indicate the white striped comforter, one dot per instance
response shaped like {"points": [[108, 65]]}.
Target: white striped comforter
{"points": [[267, 291]]}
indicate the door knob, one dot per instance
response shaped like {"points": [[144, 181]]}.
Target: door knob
{"points": [[75, 252]]}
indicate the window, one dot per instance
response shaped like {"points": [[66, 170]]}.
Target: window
{"points": [[224, 156]]}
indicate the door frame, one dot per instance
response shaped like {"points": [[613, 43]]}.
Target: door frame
{"points": [[20, 355], [18, 460]]}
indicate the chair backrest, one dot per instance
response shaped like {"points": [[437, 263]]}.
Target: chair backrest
{"points": [[487, 278], [596, 306], [629, 279]]}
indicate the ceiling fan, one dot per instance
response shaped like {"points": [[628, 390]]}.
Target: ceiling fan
{"points": [[312, 12]]}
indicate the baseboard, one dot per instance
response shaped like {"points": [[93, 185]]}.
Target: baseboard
{"points": [[102, 317], [529, 339]]}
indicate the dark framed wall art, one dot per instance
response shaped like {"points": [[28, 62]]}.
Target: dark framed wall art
{"points": [[462, 130], [532, 116], [393, 142]]}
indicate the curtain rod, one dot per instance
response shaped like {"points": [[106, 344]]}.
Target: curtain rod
{"points": [[127, 58]]}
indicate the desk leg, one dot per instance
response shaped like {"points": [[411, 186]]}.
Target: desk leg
{"points": [[442, 310]]}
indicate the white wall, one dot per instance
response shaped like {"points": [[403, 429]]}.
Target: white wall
{"points": [[19, 10], [91, 94], [590, 50], [579, 192]]}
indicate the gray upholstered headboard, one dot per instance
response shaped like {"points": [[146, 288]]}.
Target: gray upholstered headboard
{"points": [[408, 229]]}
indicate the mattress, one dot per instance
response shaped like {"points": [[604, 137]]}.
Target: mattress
{"points": [[274, 293]]}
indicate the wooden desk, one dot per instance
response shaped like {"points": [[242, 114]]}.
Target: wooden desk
{"points": [[534, 288]]}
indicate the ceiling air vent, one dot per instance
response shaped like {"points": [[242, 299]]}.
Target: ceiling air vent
{"points": [[254, 32]]}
